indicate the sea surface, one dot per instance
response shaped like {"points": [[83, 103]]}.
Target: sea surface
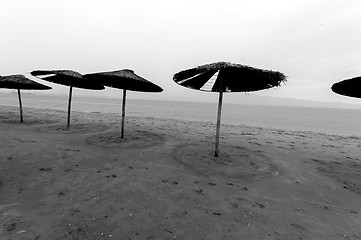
{"points": [[324, 120]]}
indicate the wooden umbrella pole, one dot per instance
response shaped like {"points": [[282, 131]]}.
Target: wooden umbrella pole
{"points": [[21, 107], [218, 122], [123, 114], [69, 106]]}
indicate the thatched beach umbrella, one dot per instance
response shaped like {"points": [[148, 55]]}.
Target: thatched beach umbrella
{"points": [[67, 78], [349, 87], [224, 77], [124, 79], [20, 82]]}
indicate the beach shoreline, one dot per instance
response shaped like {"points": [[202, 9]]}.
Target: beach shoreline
{"points": [[344, 122], [162, 181]]}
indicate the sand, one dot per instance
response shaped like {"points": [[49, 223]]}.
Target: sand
{"points": [[162, 181]]}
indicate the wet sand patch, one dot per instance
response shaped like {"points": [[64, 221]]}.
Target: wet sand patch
{"points": [[78, 128], [231, 163], [132, 139], [347, 172]]}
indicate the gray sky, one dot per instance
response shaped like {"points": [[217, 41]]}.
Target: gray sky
{"points": [[314, 42]]}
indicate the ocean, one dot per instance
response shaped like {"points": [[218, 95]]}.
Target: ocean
{"points": [[323, 120]]}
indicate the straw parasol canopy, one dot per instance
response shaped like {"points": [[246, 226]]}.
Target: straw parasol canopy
{"points": [[124, 79], [225, 77], [349, 87], [67, 78], [20, 82]]}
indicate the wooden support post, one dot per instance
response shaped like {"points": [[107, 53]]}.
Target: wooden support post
{"points": [[69, 106], [21, 107], [218, 122], [123, 114]]}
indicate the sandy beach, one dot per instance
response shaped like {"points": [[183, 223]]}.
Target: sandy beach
{"points": [[162, 181]]}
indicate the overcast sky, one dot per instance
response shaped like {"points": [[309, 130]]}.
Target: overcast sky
{"points": [[314, 42]]}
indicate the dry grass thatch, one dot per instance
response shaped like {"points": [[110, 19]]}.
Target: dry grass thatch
{"points": [[124, 79], [67, 78], [349, 87], [20, 82], [231, 77]]}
